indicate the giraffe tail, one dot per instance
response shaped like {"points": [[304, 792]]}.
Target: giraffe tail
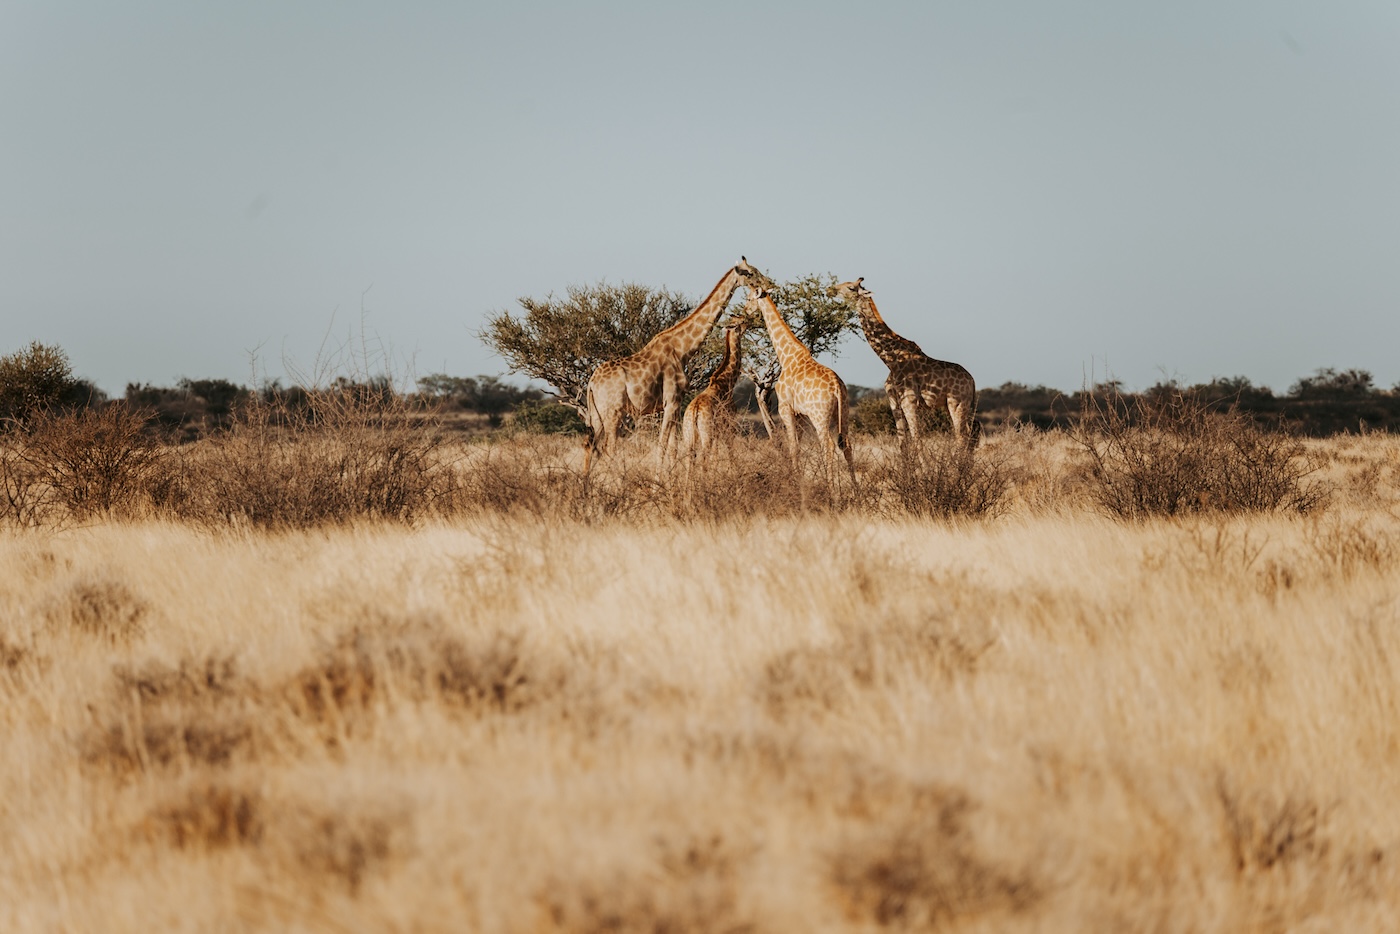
{"points": [[843, 424]]}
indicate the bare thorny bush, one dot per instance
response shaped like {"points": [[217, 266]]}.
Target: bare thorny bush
{"points": [[940, 478], [61, 466], [334, 456], [1178, 454], [745, 478], [343, 454]]}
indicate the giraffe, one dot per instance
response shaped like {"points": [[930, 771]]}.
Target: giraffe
{"points": [[916, 380], [704, 411], [805, 387], [653, 379]]}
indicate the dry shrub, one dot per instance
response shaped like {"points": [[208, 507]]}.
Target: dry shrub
{"points": [[1335, 549], [1209, 549], [14, 657], [343, 844], [918, 868], [208, 680], [345, 456], [205, 713], [869, 657], [1264, 833], [76, 465], [692, 885], [1177, 454], [170, 737], [368, 668], [101, 608], [1349, 548], [936, 477], [744, 478], [211, 817], [195, 713], [517, 477], [25, 500]]}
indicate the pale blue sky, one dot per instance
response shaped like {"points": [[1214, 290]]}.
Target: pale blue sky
{"points": [[1029, 188]]}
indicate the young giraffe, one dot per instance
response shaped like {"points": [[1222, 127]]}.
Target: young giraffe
{"points": [[916, 380], [706, 409], [805, 387], [653, 379]]}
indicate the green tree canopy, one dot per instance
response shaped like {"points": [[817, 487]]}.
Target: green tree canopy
{"points": [[489, 395], [819, 320], [560, 341], [1329, 383], [37, 378]]}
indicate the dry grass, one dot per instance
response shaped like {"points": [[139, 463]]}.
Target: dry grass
{"points": [[642, 707]]}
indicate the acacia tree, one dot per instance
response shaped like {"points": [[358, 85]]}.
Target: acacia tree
{"points": [[819, 320], [561, 341], [38, 378]]}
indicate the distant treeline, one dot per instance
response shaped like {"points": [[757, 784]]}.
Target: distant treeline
{"points": [[1327, 403], [40, 377], [196, 407]]}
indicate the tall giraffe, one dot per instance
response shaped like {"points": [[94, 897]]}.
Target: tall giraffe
{"points": [[705, 410], [653, 379], [805, 387], [916, 380]]}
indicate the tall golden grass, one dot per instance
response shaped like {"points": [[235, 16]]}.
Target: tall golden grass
{"points": [[741, 703]]}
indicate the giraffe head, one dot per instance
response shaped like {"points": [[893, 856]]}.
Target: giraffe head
{"points": [[850, 292], [738, 322], [751, 277], [752, 312]]}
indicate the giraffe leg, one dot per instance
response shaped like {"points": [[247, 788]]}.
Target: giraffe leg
{"points": [[704, 436], [909, 402], [690, 426], [965, 425], [668, 426], [829, 435], [832, 442], [789, 418], [827, 445], [607, 438], [892, 396], [843, 438], [957, 414]]}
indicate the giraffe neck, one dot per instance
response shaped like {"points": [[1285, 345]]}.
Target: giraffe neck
{"points": [[789, 350], [885, 342], [728, 373], [687, 334]]}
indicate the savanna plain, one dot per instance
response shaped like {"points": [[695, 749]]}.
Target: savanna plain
{"points": [[738, 700]]}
